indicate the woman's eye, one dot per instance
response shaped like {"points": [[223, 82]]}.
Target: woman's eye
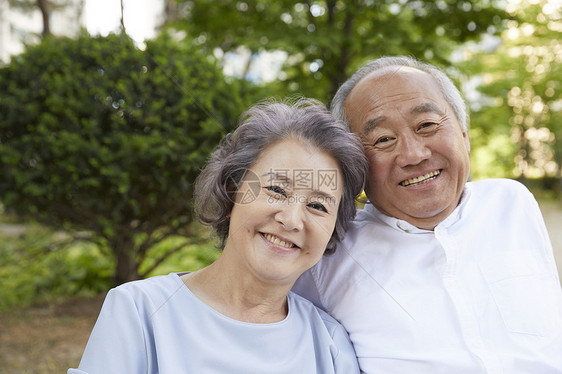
{"points": [[318, 206], [277, 190]]}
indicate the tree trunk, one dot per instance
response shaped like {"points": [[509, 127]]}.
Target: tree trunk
{"points": [[345, 54], [126, 263], [170, 11], [44, 8], [80, 12], [340, 73], [122, 17]]}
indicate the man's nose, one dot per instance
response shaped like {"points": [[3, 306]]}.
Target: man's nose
{"points": [[411, 150], [290, 215]]}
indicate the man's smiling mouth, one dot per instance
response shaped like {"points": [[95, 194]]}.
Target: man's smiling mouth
{"points": [[421, 179]]}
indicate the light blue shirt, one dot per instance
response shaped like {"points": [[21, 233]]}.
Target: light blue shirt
{"points": [[158, 326]]}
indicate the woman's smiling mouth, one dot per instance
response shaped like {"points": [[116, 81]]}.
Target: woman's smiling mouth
{"points": [[275, 240]]}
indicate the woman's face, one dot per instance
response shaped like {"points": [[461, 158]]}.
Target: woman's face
{"points": [[285, 211]]}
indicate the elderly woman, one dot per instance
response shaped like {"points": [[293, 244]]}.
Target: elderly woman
{"points": [[279, 191]]}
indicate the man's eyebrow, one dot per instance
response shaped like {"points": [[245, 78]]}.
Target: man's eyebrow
{"points": [[426, 107], [371, 124]]}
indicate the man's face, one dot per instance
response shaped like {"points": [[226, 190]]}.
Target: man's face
{"points": [[418, 153]]}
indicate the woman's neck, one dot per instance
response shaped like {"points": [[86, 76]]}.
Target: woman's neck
{"points": [[237, 294]]}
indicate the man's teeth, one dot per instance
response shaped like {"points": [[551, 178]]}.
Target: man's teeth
{"points": [[277, 241], [421, 179]]}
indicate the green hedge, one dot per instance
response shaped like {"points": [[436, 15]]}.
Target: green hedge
{"points": [[100, 137]]}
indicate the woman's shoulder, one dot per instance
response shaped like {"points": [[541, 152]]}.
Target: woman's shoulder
{"points": [[150, 292], [307, 309], [156, 283], [333, 334]]}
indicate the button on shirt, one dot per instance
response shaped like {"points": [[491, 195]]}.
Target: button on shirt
{"points": [[479, 294]]}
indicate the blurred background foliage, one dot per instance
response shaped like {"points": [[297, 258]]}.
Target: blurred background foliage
{"points": [[517, 116], [101, 139]]}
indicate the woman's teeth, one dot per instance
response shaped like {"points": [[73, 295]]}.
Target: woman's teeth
{"points": [[277, 241]]}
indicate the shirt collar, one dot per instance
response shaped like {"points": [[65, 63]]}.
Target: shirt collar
{"points": [[406, 226]]}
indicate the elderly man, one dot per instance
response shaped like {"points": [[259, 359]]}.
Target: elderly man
{"points": [[437, 274]]}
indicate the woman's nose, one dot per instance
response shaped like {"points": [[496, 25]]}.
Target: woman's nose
{"points": [[290, 215]]}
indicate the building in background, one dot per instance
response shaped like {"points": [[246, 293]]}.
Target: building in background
{"points": [[21, 25]]}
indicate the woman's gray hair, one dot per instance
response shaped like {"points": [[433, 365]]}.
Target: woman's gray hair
{"points": [[262, 125], [446, 85]]}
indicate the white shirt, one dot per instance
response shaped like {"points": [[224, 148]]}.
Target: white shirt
{"points": [[479, 294], [158, 326]]}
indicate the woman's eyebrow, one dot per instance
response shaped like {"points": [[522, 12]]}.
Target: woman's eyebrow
{"points": [[277, 176]]}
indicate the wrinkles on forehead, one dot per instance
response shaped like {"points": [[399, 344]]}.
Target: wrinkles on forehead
{"points": [[380, 88], [424, 107], [384, 75]]}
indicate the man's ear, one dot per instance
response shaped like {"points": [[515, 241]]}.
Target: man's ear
{"points": [[466, 140]]}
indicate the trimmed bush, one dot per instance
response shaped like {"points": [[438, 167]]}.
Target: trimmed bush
{"points": [[99, 137]]}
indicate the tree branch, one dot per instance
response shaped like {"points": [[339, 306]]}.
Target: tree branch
{"points": [[168, 254]]}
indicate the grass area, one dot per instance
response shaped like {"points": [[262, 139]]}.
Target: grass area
{"points": [[50, 295], [46, 338]]}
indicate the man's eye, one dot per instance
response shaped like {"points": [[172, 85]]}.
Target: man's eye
{"points": [[277, 190], [427, 125], [318, 206], [383, 139]]}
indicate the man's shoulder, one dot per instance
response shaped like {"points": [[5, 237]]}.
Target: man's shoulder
{"points": [[368, 215], [500, 187], [364, 215], [367, 236], [498, 182]]}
